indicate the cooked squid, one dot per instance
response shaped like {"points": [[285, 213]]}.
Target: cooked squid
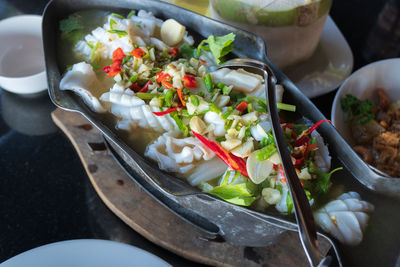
{"points": [[345, 218]]}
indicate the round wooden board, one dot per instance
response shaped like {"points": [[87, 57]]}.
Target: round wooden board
{"points": [[156, 223]]}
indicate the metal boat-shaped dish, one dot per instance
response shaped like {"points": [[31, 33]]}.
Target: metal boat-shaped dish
{"points": [[215, 217]]}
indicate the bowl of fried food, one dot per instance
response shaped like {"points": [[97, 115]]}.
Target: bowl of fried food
{"points": [[366, 112]]}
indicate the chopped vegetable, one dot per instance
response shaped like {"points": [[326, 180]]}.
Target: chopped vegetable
{"points": [[138, 53], [162, 113], [118, 32], [71, 28], [231, 160], [315, 126], [237, 194], [242, 106], [265, 152], [131, 14], [180, 94], [219, 46], [189, 81], [146, 96], [145, 88], [208, 82]]}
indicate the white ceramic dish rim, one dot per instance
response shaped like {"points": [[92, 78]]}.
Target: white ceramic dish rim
{"points": [[80, 252], [24, 79]]}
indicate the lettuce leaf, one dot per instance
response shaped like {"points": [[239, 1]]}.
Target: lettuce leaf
{"points": [[71, 29], [236, 194], [219, 46]]}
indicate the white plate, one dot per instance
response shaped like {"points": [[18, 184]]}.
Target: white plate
{"points": [[85, 253], [328, 67]]}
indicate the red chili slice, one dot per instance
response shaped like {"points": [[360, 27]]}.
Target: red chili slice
{"points": [[229, 159], [138, 53], [180, 94], [189, 81], [118, 54], [115, 68], [174, 52], [301, 141], [106, 69], [162, 113], [135, 87], [242, 106], [315, 126], [145, 88]]}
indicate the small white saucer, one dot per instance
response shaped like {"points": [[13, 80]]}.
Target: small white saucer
{"points": [[328, 67], [21, 55], [84, 253]]}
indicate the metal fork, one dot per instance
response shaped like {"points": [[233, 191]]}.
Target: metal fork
{"points": [[302, 209]]}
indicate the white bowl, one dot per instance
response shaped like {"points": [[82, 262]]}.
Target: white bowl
{"points": [[22, 67], [363, 84]]}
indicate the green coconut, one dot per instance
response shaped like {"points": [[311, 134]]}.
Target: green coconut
{"points": [[273, 13]]}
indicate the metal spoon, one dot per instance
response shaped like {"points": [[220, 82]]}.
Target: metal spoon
{"points": [[302, 209]]}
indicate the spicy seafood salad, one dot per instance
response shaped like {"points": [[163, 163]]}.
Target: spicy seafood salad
{"points": [[206, 125]]}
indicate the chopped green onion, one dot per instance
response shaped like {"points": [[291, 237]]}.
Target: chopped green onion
{"points": [[155, 70], [249, 107], [138, 25], [119, 32], [146, 56], [226, 90], [228, 124], [126, 59], [247, 132], [265, 152], [133, 78], [220, 139], [227, 113], [286, 107], [220, 85], [179, 122], [195, 101], [94, 49], [208, 82], [117, 15], [146, 96], [131, 14], [168, 97], [112, 23], [214, 108]]}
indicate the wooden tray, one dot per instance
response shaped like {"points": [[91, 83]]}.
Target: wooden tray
{"points": [[152, 220]]}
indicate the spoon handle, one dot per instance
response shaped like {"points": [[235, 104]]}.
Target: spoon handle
{"points": [[302, 209]]}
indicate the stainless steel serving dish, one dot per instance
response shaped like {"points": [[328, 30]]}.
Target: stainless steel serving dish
{"points": [[215, 217]]}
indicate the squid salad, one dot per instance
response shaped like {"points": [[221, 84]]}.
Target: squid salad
{"points": [[206, 125]]}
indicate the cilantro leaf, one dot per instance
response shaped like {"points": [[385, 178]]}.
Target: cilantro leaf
{"points": [[361, 111], [323, 181], [70, 24], [187, 51]]}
